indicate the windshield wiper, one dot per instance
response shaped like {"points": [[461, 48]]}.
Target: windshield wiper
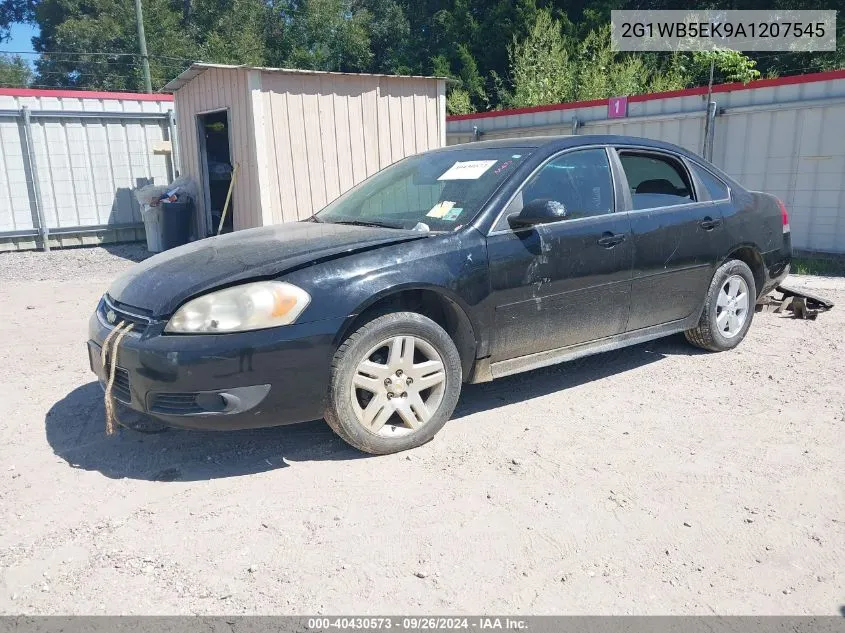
{"points": [[385, 225]]}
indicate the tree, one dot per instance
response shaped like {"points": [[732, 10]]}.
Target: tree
{"points": [[458, 102], [541, 68], [603, 73], [13, 11], [389, 31], [729, 66], [325, 35], [500, 53], [223, 31], [14, 72], [99, 45]]}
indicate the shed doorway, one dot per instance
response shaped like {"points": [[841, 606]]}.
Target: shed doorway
{"points": [[216, 163]]}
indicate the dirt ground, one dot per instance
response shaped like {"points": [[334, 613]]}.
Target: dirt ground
{"points": [[655, 479]]}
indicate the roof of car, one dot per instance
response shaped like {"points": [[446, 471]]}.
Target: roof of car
{"points": [[563, 142], [552, 144]]}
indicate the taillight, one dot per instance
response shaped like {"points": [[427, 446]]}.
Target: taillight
{"points": [[784, 216]]}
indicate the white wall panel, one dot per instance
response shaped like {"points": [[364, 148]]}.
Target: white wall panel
{"points": [[86, 167]]}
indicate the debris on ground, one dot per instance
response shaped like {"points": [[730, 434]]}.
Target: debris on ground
{"points": [[800, 303]]}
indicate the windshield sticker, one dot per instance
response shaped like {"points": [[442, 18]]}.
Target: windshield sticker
{"points": [[503, 167], [467, 170], [453, 214], [440, 209]]}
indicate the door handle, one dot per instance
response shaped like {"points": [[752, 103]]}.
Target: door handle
{"points": [[609, 240], [708, 223]]}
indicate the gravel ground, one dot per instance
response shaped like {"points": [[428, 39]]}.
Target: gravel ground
{"points": [[70, 263], [655, 479]]}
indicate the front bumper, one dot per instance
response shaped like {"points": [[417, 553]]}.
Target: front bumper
{"points": [[278, 376]]}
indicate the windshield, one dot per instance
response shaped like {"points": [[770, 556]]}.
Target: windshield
{"points": [[440, 190]]}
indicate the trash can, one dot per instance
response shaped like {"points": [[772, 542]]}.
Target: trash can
{"points": [[152, 227], [176, 223]]}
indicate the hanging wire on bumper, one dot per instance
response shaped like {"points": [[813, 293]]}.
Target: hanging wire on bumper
{"points": [[114, 338]]}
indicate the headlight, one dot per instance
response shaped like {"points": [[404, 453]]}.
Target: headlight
{"points": [[252, 306]]}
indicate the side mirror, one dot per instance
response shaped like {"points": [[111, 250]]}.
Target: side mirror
{"points": [[538, 211]]}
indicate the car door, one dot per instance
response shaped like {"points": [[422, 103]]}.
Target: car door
{"points": [[677, 236], [567, 282]]}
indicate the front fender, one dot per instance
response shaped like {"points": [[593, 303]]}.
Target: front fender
{"points": [[452, 265]]}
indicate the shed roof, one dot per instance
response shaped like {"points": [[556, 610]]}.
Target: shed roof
{"points": [[198, 68]]}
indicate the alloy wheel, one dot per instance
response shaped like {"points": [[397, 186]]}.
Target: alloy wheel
{"points": [[732, 306], [398, 386]]}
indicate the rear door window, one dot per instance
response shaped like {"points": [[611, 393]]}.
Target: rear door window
{"points": [[715, 187], [656, 180]]}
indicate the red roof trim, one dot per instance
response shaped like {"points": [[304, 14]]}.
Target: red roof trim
{"points": [[83, 94], [687, 92]]}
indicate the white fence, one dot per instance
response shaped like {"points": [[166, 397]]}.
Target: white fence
{"points": [[69, 162], [785, 136]]}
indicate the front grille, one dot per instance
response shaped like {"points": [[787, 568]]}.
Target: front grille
{"points": [[175, 404], [120, 388], [127, 314]]}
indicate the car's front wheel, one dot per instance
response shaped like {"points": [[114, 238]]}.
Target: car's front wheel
{"points": [[395, 382], [728, 309]]}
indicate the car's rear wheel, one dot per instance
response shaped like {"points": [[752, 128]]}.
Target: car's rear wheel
{"points": [[728, 309], [395, 382]]}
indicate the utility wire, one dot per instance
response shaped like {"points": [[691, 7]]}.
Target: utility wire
{"points": [[86, 54]]}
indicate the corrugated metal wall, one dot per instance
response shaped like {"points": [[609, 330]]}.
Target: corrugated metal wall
{"points": [[221, 89], [798, 154], [86, 166], [324, 133], [787, 139]]}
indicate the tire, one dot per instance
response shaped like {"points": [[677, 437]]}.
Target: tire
{"points": [[717, 330], [410, 401]]}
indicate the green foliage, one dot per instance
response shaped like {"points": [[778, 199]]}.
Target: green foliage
{"points": [[729, 66], [459, 102], [389, 30], [541, 69], [328, 35], [830, 267], [501, 53], [601, 73], [468, 74], [14, 72], [666, 76], [549, 67], [228, 31]]}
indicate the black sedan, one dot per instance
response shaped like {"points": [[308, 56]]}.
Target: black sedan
{"points": [[459, 265]]}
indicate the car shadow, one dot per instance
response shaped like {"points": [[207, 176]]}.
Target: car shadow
{"points": [[75, 428], [75, 425], [540, 382]]}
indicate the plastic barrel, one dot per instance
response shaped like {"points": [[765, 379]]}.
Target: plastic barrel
{"points": [[175, 223], [152, 228]]}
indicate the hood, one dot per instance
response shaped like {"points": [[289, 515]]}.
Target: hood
{"points": [[160, 284]]}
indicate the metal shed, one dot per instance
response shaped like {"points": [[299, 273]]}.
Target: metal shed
{"points": [[297, 138]]}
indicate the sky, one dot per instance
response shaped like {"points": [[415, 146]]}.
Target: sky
{"points": [[21, 39]]}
